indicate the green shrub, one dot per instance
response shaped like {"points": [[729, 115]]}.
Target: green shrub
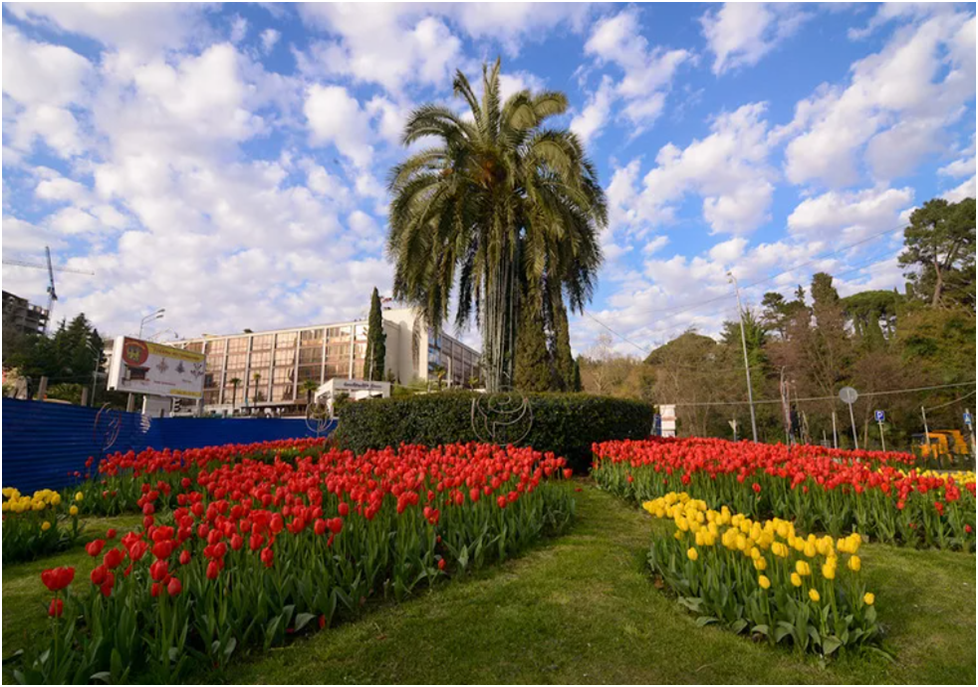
{"points": [[566, 424]]}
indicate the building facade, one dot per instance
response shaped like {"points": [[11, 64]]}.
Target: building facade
{"points": [[270, 369], [22, 315]]}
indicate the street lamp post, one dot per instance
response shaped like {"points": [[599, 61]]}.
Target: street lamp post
{"points": [[98, 361], [743, 341], [149, 318]]}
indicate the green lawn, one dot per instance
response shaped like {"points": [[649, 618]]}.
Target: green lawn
{"points": [[581, 608]]}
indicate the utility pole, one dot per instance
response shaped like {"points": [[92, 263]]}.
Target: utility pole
{"points": [[743, 341]]}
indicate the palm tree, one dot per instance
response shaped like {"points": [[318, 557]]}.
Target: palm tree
{"points": [[234, 391], [309, 386], [258, 396], [505, 206]]}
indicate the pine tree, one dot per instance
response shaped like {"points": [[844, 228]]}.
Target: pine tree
{"points": [[373, 366], [533, 365]]}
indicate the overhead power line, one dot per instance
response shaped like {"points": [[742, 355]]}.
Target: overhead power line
{"points": [[957, 400], [828, 398]]}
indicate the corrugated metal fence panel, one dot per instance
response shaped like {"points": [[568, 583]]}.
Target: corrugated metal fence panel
{"points": [[45, 443]]}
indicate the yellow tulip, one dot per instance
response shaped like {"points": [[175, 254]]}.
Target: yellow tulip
{"points": [[45, 526], [802, 568], [854, 563], [79, 496], [764, 582], [760, 564], [796, 579], [828, 571], [869, 598], [692, 553], [813, 595], [73, 511]]}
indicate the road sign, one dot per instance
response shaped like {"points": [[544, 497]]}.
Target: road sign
{"points": [[880, 416], [967, 419], [848, 395]]}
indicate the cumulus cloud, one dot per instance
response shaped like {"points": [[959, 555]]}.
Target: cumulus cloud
{"points": [[335, 117], [647, 71], [728, 169], [741, 33], [921, 81], [42, 81], [851, 215], [143, 29]]}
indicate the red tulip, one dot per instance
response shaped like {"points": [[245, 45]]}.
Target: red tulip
{"points": [[56, 608], [57, 579]]}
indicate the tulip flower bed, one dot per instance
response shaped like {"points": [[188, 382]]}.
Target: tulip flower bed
{"points": [[821, 490], [255, 551], [121, 476], [37, 525], [763, 578]]}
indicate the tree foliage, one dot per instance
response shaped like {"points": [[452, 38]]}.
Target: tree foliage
{"points": [[376, 355], [497, 202]]}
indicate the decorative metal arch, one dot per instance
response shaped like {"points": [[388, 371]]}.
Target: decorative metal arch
{"points": [[504, 417], [318, 417]]}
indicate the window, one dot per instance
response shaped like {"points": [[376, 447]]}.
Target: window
{"points": [[260, 361], [360, 351], [282, 392], [309, 372], [211, 397], [210, 380], [337, 370], [311, 337], [338, 352], [285, 340], [283, 374], [261, 343], [309, 356], [237, 360], [196, 346], [284, 357], [239, 344]]}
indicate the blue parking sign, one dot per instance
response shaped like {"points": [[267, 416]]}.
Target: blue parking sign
{"points": [[880, 416], [967, 419]]}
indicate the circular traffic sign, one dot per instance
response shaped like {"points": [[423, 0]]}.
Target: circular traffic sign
{"points": [[848, 395]]}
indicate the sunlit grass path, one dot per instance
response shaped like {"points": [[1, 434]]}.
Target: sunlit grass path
{"points": [[581, 608]]}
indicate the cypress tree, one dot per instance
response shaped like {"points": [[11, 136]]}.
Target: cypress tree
{"points": [[563, 359], [577, 376], [533, 364], [373, 364]]}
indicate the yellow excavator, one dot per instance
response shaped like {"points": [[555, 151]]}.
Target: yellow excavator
{"points": [[944, 446]]}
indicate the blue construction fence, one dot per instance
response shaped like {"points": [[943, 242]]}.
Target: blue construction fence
{"points": [[44, 443]]}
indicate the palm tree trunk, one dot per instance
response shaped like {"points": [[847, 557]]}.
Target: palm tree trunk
{"points": [[499, 334]]}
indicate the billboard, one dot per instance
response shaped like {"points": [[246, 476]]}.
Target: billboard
{"points": [[144, 367]]}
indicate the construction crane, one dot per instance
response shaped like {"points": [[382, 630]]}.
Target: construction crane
{"points": [[52, 294]]}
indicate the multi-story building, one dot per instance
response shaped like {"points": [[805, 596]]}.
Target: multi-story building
{"points": [[23, 316], [271, 367]]}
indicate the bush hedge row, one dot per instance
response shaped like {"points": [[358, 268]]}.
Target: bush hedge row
{"points": [[566, 424]]}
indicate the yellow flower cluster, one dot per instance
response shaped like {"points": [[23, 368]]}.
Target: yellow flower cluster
{"points": [[755, 539], [15, 502]]}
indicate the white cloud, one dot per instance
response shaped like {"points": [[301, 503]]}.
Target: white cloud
{"points": [[729, 251], [140, 28], [269, 37], [589, 122], [964, 190], [239, 28], [850, 216], [920, 81], [741, 33], [335, 117], [41, 82], [388, 45], [728, 169], [648, 71], [511, 23]]}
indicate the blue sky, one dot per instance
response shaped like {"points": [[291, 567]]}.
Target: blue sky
{"points": [[228, 163]]}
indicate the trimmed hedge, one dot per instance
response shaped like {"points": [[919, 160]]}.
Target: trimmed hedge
{"points": [[566, 424]]}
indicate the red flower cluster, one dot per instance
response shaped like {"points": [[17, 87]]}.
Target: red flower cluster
{"points": [[872, 492]]}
